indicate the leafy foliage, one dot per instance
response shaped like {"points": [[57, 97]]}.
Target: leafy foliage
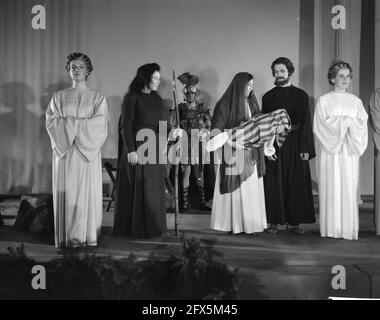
{"points": [[81, 274]]}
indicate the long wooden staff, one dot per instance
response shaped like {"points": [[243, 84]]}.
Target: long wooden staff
{"points": [[176, 166]]}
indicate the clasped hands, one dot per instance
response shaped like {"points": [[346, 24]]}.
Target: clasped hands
{"points": [[75, 117]]}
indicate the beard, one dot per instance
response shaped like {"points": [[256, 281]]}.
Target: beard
{"points": [[280, 81]]}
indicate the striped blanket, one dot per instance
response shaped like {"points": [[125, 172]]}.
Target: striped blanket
{"points": [[261, 128]]}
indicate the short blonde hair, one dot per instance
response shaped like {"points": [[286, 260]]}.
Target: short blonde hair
{"points": [[335, 67], [79, 56]]}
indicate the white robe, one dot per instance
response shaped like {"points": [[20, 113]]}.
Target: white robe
{"points": [[242, 210], [76, 121], [374, 106], [340, 125]]}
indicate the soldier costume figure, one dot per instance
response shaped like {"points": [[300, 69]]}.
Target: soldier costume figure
{"points": [[194, 116]]}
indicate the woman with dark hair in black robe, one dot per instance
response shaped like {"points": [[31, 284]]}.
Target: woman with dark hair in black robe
{"points": [[239, 203], [140, 197]]}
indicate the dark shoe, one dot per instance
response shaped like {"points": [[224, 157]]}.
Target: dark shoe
{"points": [[253, 234], [297, 230], [231, 233], [272, 229], [204, 208], [185, 199]]}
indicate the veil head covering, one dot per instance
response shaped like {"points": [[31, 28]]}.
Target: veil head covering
{"points": [[230, 111], [232, 104]]}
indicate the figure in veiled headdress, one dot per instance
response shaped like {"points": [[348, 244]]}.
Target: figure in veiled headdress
{"points": [[238, 203]]}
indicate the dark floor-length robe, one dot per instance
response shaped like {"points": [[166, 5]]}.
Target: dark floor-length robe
{"points": [[140, 193], [287, 182]]}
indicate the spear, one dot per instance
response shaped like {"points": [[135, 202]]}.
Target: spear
{"points": [[176, 166]]}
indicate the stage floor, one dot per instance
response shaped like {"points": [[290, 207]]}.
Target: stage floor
{"points": [[280, 266]]}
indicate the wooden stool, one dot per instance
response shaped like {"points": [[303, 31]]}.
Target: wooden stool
{"points": [[111, 166]]}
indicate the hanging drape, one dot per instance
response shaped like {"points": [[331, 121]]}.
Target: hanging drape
{"points": [[213, 39]]}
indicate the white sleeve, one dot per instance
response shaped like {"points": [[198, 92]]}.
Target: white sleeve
{"points": [[357, 134], [92, 131], [330, 131], [62, 130]]}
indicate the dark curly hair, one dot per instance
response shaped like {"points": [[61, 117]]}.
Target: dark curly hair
{"points": [[79, 56], [286, 62], [143, 76], [335, 67]]}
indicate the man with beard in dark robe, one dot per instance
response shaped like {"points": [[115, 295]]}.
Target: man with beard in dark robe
{"points": [[287, 182]]}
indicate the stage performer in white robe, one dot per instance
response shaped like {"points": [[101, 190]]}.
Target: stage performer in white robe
{"points": [[340, 124], [374, 107], [76, 120]]}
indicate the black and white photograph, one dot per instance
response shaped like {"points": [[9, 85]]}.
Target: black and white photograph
{"points": [[164, 151]]}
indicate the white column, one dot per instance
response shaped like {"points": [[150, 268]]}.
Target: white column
{"points": [[348, 40], [331, 44]]}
